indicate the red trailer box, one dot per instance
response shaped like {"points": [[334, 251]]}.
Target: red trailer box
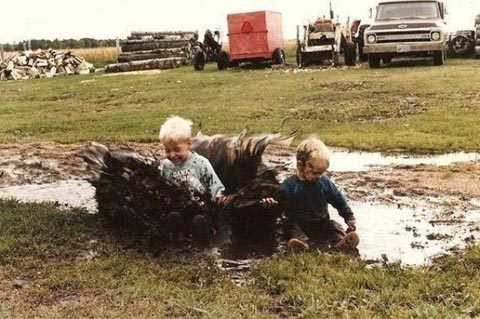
{"points": [[255, 36]]}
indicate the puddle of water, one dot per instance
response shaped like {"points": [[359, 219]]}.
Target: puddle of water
{"points": [[361, 161], [347, 161], [73, 193], [406, 234]]}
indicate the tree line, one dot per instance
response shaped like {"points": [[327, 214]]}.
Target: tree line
{"points": [[44, 44]]}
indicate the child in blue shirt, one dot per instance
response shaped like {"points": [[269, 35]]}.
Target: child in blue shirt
{"points": [[305, 198]]}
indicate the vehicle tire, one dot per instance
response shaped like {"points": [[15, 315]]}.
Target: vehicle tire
{"points": [[223, 61], [386, 59], [362, 56], [460, 45], [373, 61], [439, 58], [350, 53], [199, 61], [279, 57]]}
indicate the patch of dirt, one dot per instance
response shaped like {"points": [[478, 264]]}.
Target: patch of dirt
{"points": [[447, 185]]}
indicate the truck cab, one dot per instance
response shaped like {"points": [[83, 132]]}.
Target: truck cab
{"points": [[411, 28]]}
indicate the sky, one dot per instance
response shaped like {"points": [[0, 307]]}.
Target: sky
{"points": [[50, 19]]}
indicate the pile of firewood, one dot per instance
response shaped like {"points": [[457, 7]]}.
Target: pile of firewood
{"points": [[131, 192], [43, 63], [154, 50]]}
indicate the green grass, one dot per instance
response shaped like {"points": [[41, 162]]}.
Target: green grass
{"points": [[41, 244], [355, 108]]}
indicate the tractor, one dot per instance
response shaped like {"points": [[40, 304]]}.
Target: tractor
{"points": [[325, 40]]}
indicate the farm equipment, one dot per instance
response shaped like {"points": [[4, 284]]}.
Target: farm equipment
{"points": [[253, 37], [326, 39], [207, 51], [477, 35]]}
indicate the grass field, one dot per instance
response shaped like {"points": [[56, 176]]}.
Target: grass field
{"points": [[419, 108], [70, 267]]}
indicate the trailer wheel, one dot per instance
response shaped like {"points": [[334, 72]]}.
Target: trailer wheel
{"points": [[439, 58], [350, 53], [223, 61], [278, 57], [199, 61], [373, 61]]}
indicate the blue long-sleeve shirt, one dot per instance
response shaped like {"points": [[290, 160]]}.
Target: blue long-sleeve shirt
{"points": [[308, 202]]}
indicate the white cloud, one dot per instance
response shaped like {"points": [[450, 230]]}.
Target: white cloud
{"points": [[116, 18]]}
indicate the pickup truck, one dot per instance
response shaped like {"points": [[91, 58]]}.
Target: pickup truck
{"points": [[407, 28]]}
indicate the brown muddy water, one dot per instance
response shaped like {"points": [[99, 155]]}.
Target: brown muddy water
{"points": [[412, 231], [412, 235]]}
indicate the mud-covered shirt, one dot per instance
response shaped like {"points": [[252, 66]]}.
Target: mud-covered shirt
{"points": [[307, 203], [196, 174]]}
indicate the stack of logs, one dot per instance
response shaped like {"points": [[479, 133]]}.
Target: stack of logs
{"points": [[154, 50], [42, 63]]}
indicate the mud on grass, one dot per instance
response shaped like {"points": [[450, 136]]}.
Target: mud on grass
{"points": [[414, 108], [64, 263]]}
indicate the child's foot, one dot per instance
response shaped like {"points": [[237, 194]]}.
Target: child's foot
{"points": [[296, 245], [348, 243]]}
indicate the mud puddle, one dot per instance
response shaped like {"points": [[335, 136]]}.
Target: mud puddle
{"points": [[69, 193], [411, 235], [353, 161]]}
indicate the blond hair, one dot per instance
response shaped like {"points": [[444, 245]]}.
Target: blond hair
{"points": [[175, 129], [312, 151]]}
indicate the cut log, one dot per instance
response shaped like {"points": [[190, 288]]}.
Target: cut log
{"points": [[142, 45], [162, 35], [154, 64], [152, 54]]}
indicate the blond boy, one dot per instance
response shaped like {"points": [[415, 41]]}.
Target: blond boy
{"points": [[306, 196], [188, 169]]}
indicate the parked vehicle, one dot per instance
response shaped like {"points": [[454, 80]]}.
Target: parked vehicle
{"points": [[254, 37], [407, 28], [477, 35], [325, 39], [206, 51]]}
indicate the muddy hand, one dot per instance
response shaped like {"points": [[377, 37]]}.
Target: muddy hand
{"points": [[268, 202], [352, 225]]}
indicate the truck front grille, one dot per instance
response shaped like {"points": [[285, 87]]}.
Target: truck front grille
{"points": [[407, 36]]}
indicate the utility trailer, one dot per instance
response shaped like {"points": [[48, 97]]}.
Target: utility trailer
{"points": [[253, 37]]}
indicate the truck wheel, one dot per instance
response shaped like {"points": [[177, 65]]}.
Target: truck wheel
{"points": [[439, 58], [373, 61], [223, 61], [199, 61], [387, 59], [350, 53], [278, 57]]}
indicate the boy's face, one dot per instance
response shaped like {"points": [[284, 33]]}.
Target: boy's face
{"points": [[178, 152], [311, 173]]}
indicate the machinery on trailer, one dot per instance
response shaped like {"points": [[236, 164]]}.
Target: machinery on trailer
{"points": [[253, 37], [325, 40], [206, 51], [407, 28]]}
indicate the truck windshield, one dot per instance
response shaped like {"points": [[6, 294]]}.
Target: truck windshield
{"points": [[408, 10]]}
